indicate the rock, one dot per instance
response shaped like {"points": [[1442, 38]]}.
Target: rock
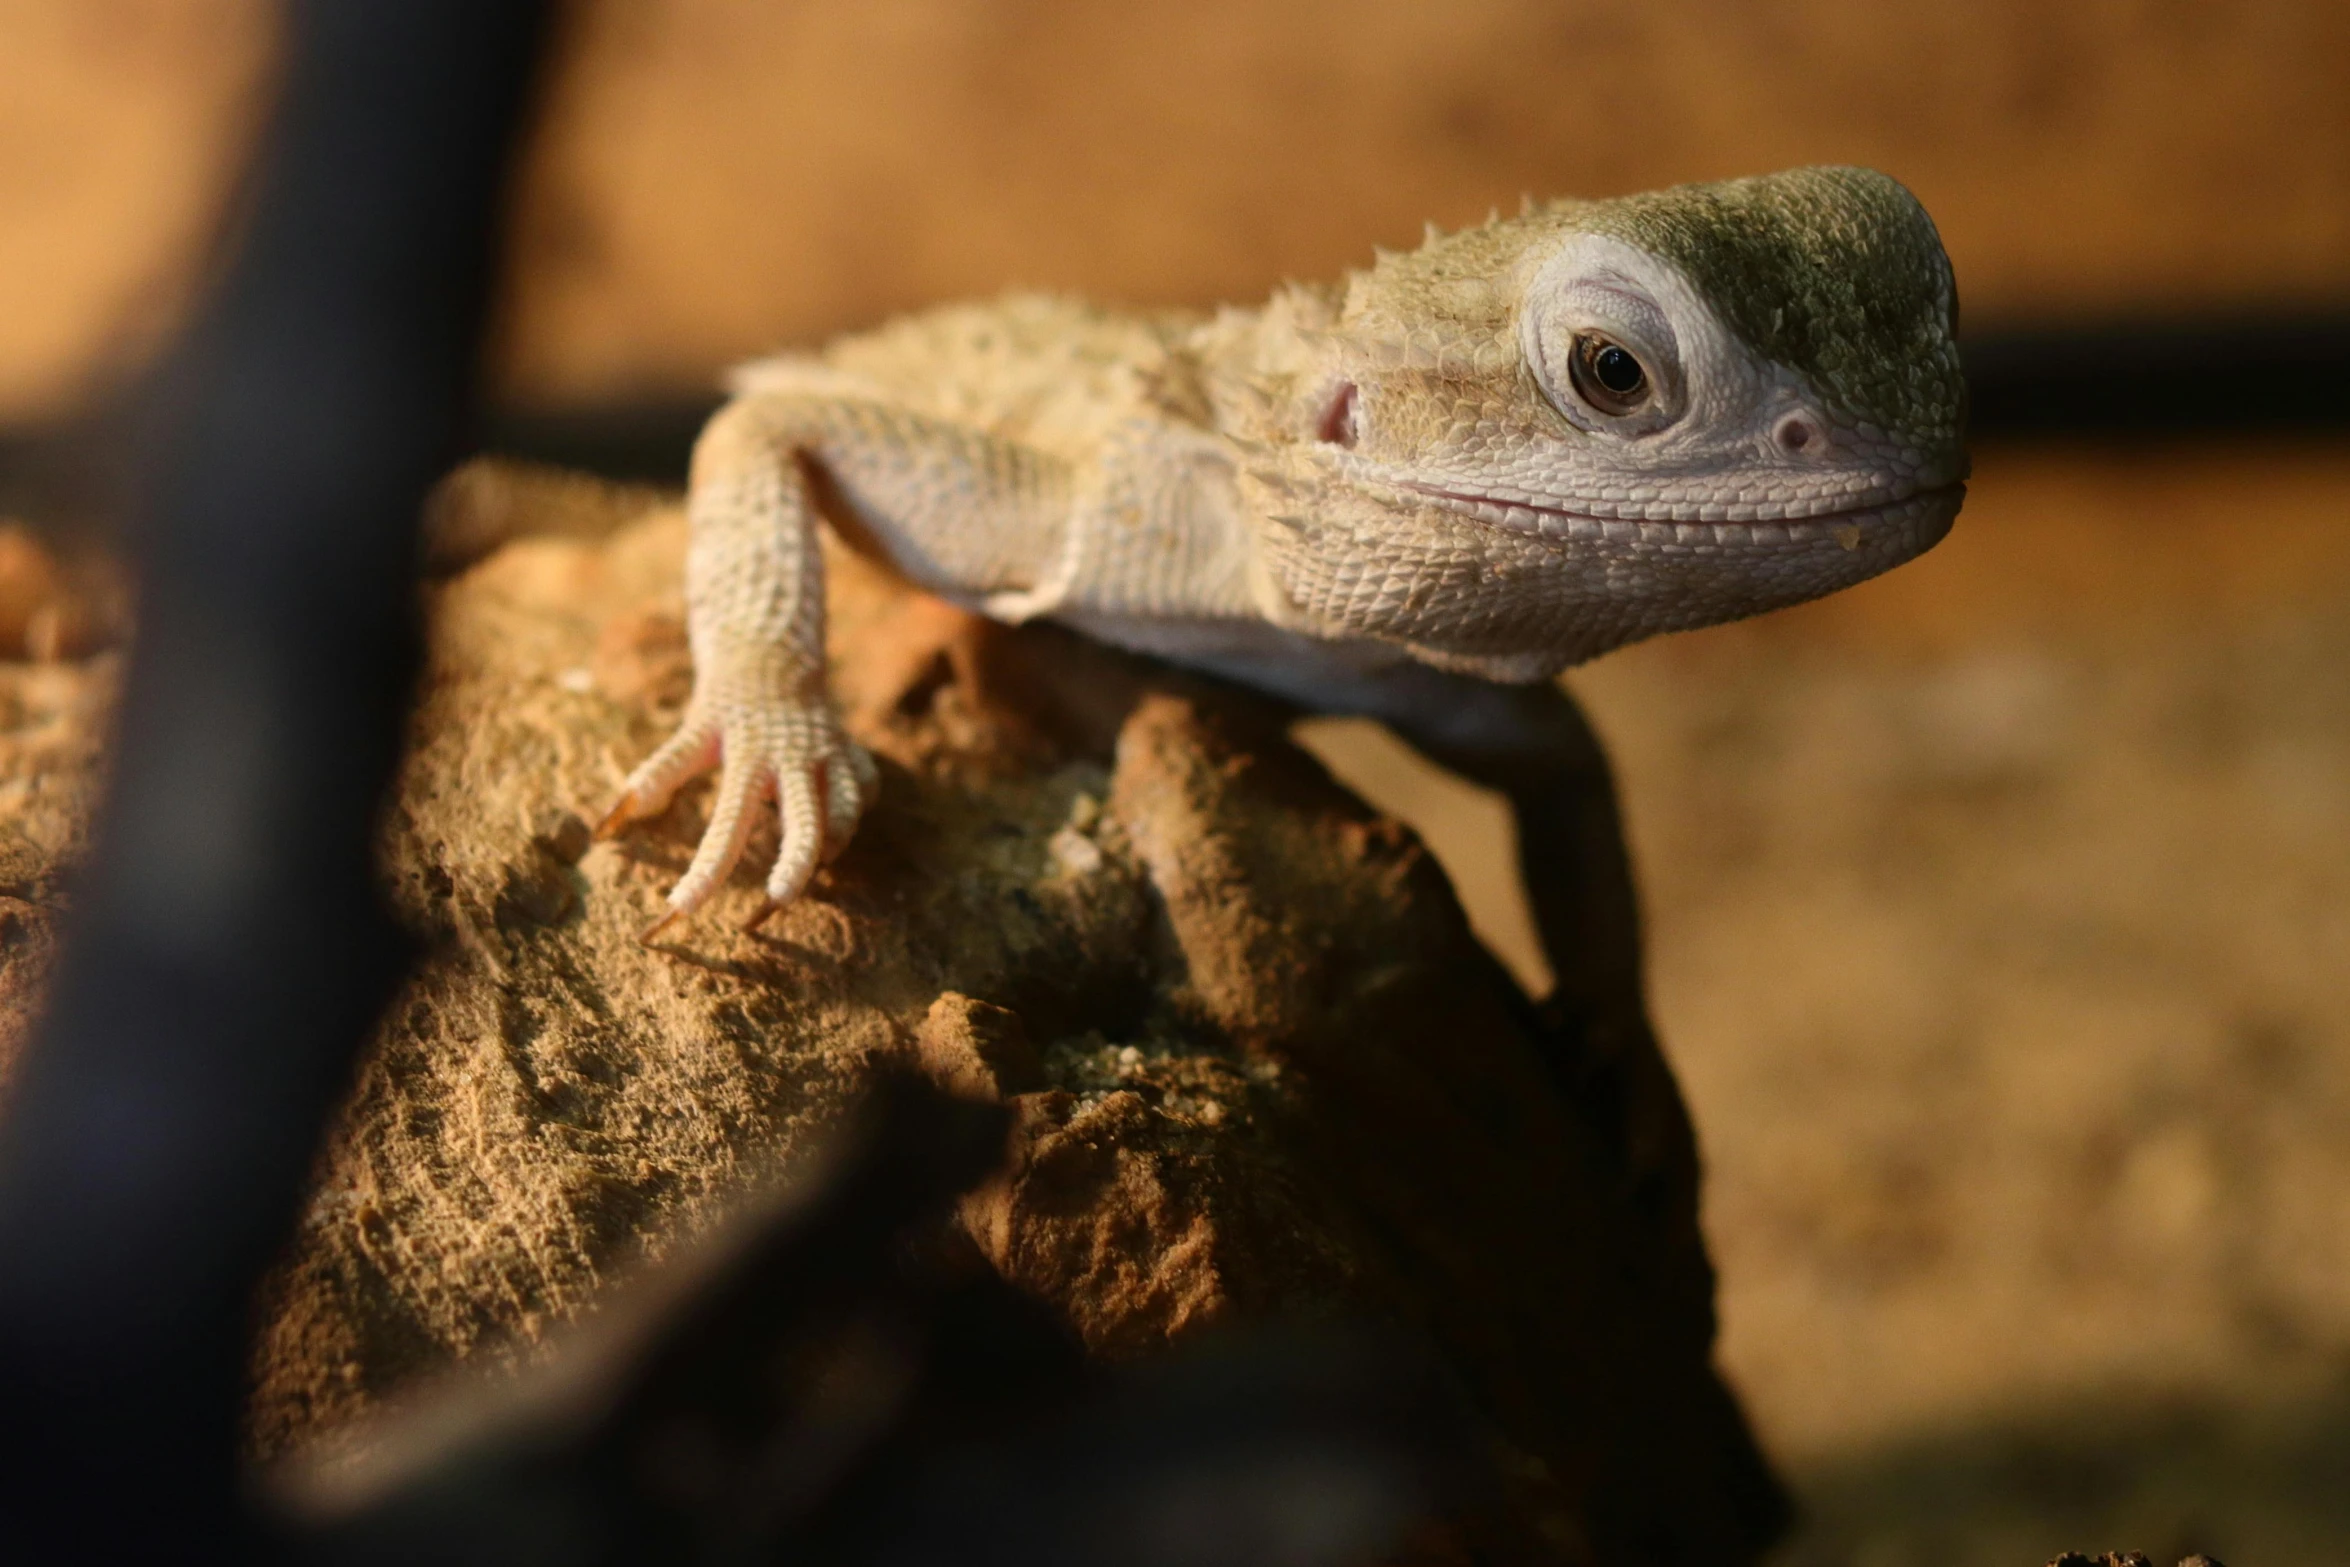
{"points": [[975, 1049], [1261, 1069], [52, 722]]}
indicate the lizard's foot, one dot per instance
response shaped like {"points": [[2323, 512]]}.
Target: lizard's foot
{"points": [[820, 779]]}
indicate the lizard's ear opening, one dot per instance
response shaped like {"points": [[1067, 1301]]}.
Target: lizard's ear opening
{"points": [[1337, 426]]}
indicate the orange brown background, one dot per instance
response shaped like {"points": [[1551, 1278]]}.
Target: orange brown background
{"points": [[1999, 911]]}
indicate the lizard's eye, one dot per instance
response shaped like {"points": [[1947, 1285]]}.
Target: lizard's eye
{"points": [[1606, 374], [1603, 352]]}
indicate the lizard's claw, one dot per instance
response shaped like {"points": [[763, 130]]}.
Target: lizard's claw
{"points": [[820, 780]]}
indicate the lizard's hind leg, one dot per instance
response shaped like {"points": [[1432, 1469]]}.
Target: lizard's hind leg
{"points": [[1532, 744]]}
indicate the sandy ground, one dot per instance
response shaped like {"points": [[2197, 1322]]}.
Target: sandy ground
{"points": [[2000, 911]]}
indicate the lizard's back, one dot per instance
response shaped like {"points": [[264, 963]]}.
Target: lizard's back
{"points": [[1047, 371]]}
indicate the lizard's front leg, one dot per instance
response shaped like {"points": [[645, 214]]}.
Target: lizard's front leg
{"points": [[760, 710]]}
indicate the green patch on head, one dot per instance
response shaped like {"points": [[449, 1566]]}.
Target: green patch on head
{"points": [[1834, 272]]}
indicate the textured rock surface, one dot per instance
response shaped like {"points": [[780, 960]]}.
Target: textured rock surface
{"points": [[52, 719], [1260, 1066]]}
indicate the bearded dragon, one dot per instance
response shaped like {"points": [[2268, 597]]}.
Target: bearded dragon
{"points": [[1417, 495]]}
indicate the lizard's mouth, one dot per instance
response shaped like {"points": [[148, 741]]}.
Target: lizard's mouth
{"points": [[1706, 528]]}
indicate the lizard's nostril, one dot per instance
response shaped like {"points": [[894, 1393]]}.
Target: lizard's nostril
{"points": [[1801, 435], [1337, 424]]}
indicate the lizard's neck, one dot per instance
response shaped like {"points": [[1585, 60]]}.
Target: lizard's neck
{"points": [[1258, 365]]}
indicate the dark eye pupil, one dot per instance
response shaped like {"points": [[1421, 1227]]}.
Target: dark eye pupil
{"points": [[1617, 370], [1608, 377]]}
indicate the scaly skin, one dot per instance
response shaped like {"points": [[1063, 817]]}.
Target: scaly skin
{"points": [[1376, 497]]}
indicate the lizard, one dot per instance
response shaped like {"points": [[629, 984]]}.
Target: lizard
{"points": [[1417, 494]]}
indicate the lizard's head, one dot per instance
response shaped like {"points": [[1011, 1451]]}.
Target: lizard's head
{"points": [[1532, 441]]}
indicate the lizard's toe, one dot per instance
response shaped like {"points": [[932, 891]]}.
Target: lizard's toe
{"points": [[722, 841], [687, 754], [803, 834], [850, 779]]}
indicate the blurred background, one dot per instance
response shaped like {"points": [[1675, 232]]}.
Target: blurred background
{"points": [[1999, 910]]}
